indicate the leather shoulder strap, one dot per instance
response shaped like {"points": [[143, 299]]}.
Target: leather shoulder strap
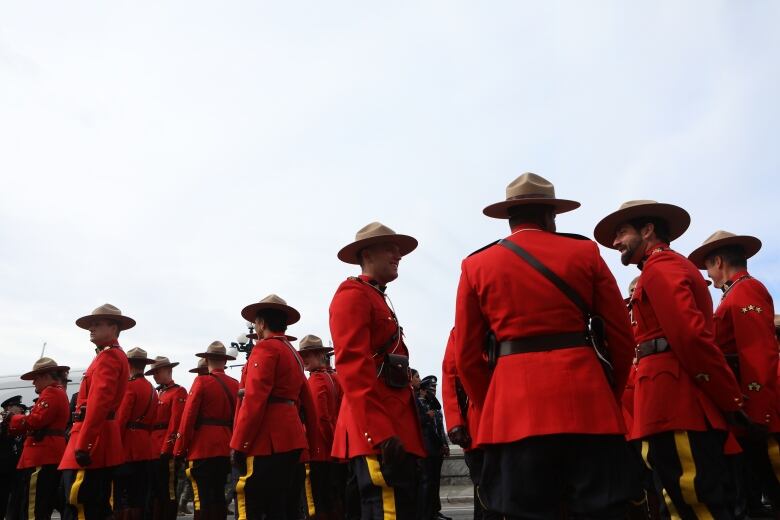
{"points": [[552, 277], [231, 398]]}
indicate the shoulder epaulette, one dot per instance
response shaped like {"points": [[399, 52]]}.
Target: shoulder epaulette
{"points": [[575, 236], [484, 247]]}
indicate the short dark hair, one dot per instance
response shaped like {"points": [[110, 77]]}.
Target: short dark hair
{"points": [[136, 364], [274, 319], [733, 256], [530, 214], [660, 226]]}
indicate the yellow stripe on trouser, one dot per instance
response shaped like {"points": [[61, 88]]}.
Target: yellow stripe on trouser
{"points": [[309, 492], [241, 488], [195, 494], [388, 494], [73, 498], [646, 458], [171, 477], [688, 477], [32, 492], [773, 450]]}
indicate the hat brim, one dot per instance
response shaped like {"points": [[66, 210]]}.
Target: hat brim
{"points": [[151, 371], [13, 400], [212, 355], [146, 361], [315, 349], [751, 245], [250, 311], [501, 209], [196, 371], [29, 376], [676, 218], [289, 338], [349, 253], [125, 322]]}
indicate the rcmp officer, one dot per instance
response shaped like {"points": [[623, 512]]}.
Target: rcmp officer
{"points": [[170, 406], [270, 439], [377, 428], [204, 433], [95, 445], [44, 444], [745, 333], [683, 384], [550, 424], [323, 499], [462, 419], [136, 417]]}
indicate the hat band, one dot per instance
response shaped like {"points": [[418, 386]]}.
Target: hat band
{"points": [[532, 196]]}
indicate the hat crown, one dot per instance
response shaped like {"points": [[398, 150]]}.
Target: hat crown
{"points": [[216, 347], [310, 341], [107, 308], [374, 229], [203, 363], [530, 185], [718, 235], [159, 360], [638, 202], [136, 353], [43, 363], [273, 298]]}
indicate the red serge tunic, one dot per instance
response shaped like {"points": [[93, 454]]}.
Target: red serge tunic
{"points": [[745, 329], [50, 412], [361, 322], [324, 392], [170, 406], [100, 394], [449, 383], [136, 417], [275, 390], [540, 393], [207, 401], [688, 386]]}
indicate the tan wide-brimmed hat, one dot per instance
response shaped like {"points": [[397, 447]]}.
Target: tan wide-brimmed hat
{"points": [[372, 234], [751, 245], [215, 351], [106, 312], [777, 321], [160, 362], [274, 302], [202, 368], [310, 343], [527, 189], [138, 354], [41, 366], [675, 217]]}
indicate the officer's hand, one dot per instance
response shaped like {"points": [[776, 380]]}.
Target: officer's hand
{"points": [[238, 459], [392, 451], [460, 436], [83, 458]]}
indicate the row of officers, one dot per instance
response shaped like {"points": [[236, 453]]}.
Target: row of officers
{"points": [[570, 401]]}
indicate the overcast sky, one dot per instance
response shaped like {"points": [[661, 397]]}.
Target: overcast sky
{"points": [[184, 159]]}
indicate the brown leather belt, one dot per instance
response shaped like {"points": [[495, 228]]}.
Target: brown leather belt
{"points": [[40, 434], [543, 343], [272, 399], [139, 426], [160, 426], [79, 417], [206, 421], [650, 347]]}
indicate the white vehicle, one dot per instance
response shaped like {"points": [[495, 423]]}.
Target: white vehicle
{"points": [[11, 385]]}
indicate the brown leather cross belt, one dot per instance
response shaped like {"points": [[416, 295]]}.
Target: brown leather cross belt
{"points": [[650, 347], [206, 421], [79, 417], [543, 343], [133, 425], [272, 399]]}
